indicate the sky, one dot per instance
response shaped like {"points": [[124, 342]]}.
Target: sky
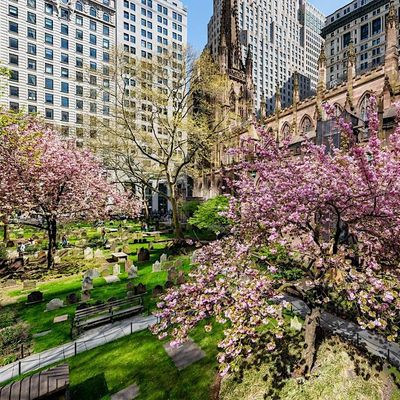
{"points": [[201, 10]]}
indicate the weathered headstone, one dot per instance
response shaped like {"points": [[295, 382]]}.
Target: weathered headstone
{"points": [[181, 278], [87, 283], [61, 318], [169, 285], [54, 304], [132, 272], [71, 298], [57, 260], [128, 264], [193, 257], [98, 253], [111, 279], [88, 253], [150, 246], [85, 296], [105, 271], [116, 269], [126, 249], [157, 290], [28, 285], [141, 289], [156, 267], [172, 275], [9, 283], [143, 255], [35, 297], [120, 256], [92, 273], [163, 258]]}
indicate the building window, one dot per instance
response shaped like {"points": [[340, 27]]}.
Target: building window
{"points": [[79, 90], [14, 91], [32, 48], [13, 43], [79, 20], [79, 119], [79, 62], [64, 43], [14, 76], [79, 34], [64, 14], [31, 3], [32, 109], [79, 48], [13, 11], [14, 106], [31, 33], [48, 98], [376, 26], [93, 52], [13, 59], [32, 95], [64, 29], [32, 80], [48, 38], [79, 6], [48, 8], [79, 104], [79, 76], [65, 130], [49, 83], [31, 64], [64, 87], [13, 26], [64, 58], [49, 113], [48, 23], [31, 17], [106, 17]]}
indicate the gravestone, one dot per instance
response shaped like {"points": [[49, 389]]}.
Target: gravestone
{"points": [[28, 285], [119, 256], [150, 246], [132, 272], [57, 260], [12, 254], [10, 283], [10, 243], [157, 290], [35, 297], [128, 264], [163, 258], [88, 253], [143, 255], [61, 318], [54, 304], [130, 286], [92, 273], [172, 274], [105, 272], [116, 269], [113, 247], [98, 253], [111, 279], [156, 267], [184, 355], [181, 278], [126, 250], [71, 298], [141, 289], [193, 257], [169, 285], [85, 296], [87, 283], [157, 237]]}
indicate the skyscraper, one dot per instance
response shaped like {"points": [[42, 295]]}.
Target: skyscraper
{"points": [[283, 37]]}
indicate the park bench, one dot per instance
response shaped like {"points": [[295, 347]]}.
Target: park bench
{"points": [[50, 384], [101, 314]]}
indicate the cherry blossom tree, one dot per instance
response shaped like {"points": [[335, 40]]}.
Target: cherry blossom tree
{"points": [[48, 180], [335, 214]]}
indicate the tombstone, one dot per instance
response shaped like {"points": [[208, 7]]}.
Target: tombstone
{"points": [[57, 260], [143, 255], [128, 264], [193, 257], [87, 283], [126, 250], [157, 237], [119, 256], [169, 285], [113, 247], [92, 273], [141, 289], [157, 267], [28, 285], [85, 296], [130, 286], [10, 243], [88, 253], [71, 298], [132, 272], [157, 291], [178, 263], [54, 304], [98, 253], [172, 274], [12, 254], [105, 272], [163, 258], [35, 297], [116, 269], [181, 278], [150, 246], [9, 283]]}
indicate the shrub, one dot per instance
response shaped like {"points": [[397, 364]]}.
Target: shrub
{"points": [[12, 337], [7, 317], [3, 253]]}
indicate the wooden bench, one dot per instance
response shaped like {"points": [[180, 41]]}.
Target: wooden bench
{"points": [[101, 314], [50, 384]]}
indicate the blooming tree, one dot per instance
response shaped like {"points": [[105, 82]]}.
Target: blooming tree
{"points": [[52, 181], [335, 214]]}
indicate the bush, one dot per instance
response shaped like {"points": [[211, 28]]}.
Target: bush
{"points": [[189, 207], [3, 253], [7, 318], [208, 215], [12, 337]]}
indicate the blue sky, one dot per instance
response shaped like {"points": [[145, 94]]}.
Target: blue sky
{"points": [[201, 10]]}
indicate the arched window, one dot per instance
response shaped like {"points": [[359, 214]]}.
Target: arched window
{"points": [[79, 6], [363, 107], [93, 12], [306, 125], [285, 131], [106, 17], [232, 101]]}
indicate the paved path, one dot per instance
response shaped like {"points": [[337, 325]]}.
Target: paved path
{"points": [[374, 344], [91, 339]]}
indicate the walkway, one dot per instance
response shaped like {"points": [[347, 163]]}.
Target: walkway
{"points": [[374, 343], [91, 339]]}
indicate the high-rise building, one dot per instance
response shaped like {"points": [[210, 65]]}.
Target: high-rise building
{"points": [[50, 47], [283, 38], [362, 24]]}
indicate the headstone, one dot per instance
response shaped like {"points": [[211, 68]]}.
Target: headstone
{"points": [[150, 246], [12, 254], [105, 272], [85, 296], [141, 289], [88, 253], [169, 285], [113, 247], [28, 285], [92, 273], [10, 283], [10, 243], [143, 255], [132, 272], [71, 298], [116, 269], [178, 263], [157, 237], [128, 264], [54, 304], [172, 275], [163, 258], [87, 283], [120, 256], [193, 257], [35, 297], [111, 279], [126, 250], [130, 286], [157, 267], [57, 260], [157, 290], [98, 253], [181, 278], [61, 318]]}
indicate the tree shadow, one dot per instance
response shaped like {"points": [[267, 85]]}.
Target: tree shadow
{"points": [[93, 388]]}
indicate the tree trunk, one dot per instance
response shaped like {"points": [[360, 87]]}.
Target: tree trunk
{"points": [[312, 324], [175, 212], [5, 232], [52, 235]]}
